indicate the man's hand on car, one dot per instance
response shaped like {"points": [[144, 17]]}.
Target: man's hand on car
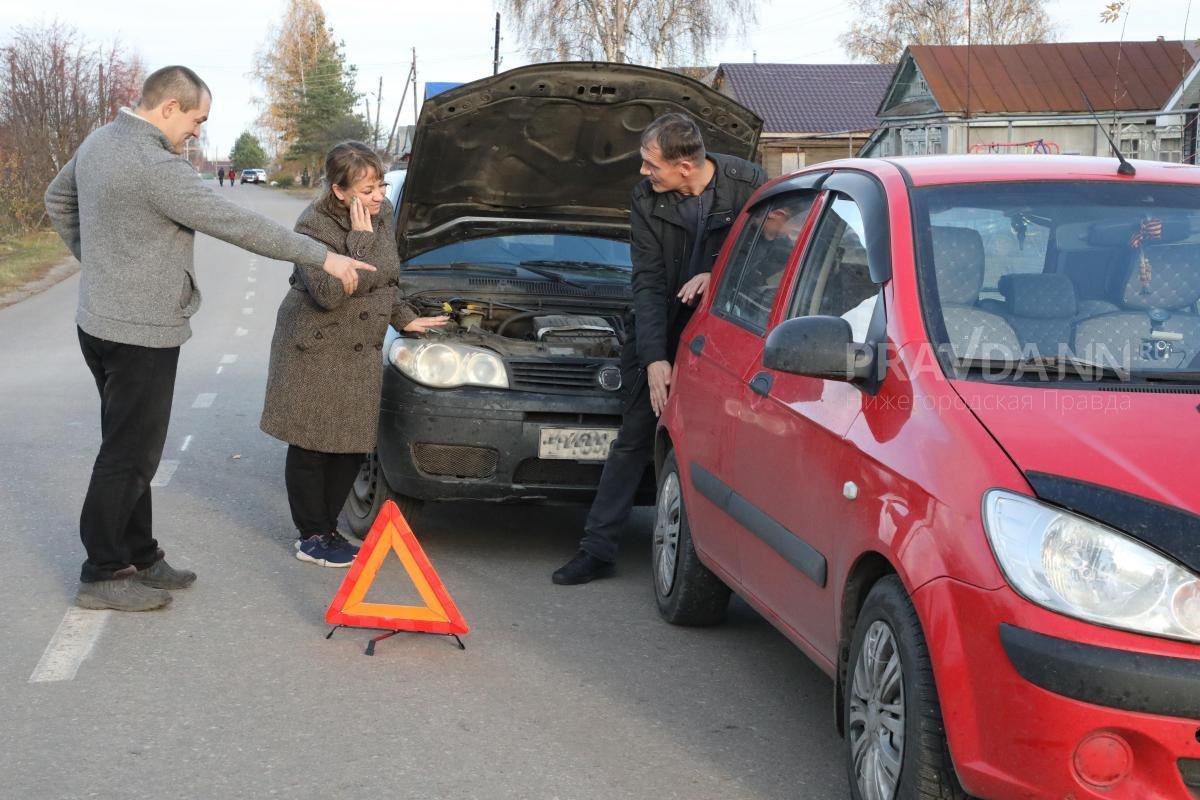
{"points": [[422, 324], [345, 269], [694, 288], [658, 376]]}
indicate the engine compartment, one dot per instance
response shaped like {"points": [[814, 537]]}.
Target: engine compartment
{"points": [[513, 331]]}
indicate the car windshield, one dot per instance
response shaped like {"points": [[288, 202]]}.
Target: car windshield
{"points": [[1062, 280], [540, 251]]}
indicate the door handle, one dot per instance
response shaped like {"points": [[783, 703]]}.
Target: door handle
{"points": [[697, 345], [761, 383]]}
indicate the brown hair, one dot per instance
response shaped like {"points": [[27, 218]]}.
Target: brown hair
{"points": [[173, 83], [677, 137], [345, 163]]}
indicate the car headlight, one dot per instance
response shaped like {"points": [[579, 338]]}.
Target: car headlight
{"points": [[444, 365], [1073, 565]]}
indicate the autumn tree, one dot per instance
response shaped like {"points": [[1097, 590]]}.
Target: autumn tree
{"points": [[883, 28], [55, 89], [247, 153], [655, 32], [310, 95]]}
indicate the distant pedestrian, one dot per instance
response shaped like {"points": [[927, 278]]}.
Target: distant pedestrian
{"points": [[128, 208], [232, 175], [221, 176], [324, 382]]}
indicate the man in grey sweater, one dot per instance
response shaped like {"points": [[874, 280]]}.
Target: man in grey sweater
{"points": [[128, 207]]}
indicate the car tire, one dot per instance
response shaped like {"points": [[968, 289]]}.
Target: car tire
{"points": [[688, 593], [368, 494], [895, 740]]}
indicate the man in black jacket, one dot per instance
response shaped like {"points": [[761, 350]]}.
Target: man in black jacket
{"points": [[679, 218]]}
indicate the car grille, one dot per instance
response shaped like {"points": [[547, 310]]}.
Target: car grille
{"points": [[454, 460], [564, 375], [552, 472]]}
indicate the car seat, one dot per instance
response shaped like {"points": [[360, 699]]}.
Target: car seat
{"points": [[958, 266], [1157, 324], [1042, 308]]}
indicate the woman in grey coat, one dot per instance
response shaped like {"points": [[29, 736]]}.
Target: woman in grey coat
{"points": [[325, 376]]}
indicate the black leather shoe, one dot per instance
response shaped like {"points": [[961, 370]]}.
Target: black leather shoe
{"points": [[582, 568]]}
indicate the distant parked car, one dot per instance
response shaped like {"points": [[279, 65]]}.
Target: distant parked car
{"points": [[395, 182], [254, 176]]}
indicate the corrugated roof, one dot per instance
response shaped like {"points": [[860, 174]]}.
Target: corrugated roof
{"points": [[1020, 78], [809, 98]]}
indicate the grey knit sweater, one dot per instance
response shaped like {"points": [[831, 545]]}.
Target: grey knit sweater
{"points": [[129, 208]]}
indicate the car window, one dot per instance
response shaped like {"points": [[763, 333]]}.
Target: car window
{"points": [[750, 281], [561, 250], [835, 280], [1011, 245]]}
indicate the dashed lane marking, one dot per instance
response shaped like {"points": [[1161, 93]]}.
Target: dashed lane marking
{"points": [[187, 442], [249, 294], [166, 470], [220, 369], [240, 332], [77, 634], [248, 310], [229, 359], [204, 400]]}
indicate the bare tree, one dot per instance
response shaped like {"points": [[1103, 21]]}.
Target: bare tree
{"points": [[885, 27], [656, 32], [55, 89]]}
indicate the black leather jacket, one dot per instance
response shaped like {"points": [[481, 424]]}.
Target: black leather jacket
{"points": [[662, 240]]}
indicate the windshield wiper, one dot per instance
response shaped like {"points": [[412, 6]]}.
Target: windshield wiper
{"points": [[1089, 370], [553, 276], [1168, 376], [578, 266], [460, 265]]}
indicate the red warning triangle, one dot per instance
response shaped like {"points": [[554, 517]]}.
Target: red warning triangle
{"points": [[389, 534]]}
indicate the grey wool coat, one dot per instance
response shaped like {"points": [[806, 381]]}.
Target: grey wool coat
{"points": [[326, 369]]}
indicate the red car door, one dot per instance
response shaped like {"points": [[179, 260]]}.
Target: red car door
{"points": [[791, 460], [717, 350]]}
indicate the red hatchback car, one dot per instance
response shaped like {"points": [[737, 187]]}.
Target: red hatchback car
{"points": [[937, 419]]}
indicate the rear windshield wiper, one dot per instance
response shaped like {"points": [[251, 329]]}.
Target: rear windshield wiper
{"points": [[1169, 376], [552, 276], [578, 265]]}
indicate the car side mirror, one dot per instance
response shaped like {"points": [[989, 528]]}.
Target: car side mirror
{"points": [[819, 347]]}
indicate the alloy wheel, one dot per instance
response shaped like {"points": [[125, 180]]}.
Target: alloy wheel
{"points": [[876, 715], [666, 534]]}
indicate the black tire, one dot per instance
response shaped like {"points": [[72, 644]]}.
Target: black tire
{"points": [[688, 593], [368, 494], [881, 766]]}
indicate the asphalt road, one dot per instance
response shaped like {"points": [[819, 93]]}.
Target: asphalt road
{"points": [[233, 691]]}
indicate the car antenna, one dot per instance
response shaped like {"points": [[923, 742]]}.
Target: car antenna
{"points": [[1124, 168]]}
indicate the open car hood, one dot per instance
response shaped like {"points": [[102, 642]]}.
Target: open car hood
{"points": [[548, 147]]}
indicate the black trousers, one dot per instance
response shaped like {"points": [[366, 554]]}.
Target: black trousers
{"points": [[136, 386], [622, 475], [317, 485]]}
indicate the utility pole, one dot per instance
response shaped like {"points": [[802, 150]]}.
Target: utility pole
{"points": [[399, 108], [496, 47], [414, 83], [378, 102]]}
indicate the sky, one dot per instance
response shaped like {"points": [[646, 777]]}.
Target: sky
{"points": [[454, 39]]}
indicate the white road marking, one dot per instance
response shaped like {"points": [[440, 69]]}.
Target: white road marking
{"points": [[240, 332], [251, 279], [77, 634], [249, 294], [187, 442], [248, 310], [166, 470], [220, 369], [204, 399], [228, 359]]}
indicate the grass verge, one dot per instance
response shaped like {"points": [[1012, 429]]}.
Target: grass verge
{"points": [[27, 257]]}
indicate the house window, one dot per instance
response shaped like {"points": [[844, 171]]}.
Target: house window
{"points": [[920, 141], [792, 161]]}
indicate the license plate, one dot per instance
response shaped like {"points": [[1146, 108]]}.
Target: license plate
{"points": [[578, 444]]}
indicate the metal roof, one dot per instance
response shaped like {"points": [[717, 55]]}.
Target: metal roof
{"points": [[808, 98], [1019, 78]]}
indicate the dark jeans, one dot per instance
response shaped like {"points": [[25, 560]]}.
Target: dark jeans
{"points": [[317, 485], [136, 385], [622, 475]]}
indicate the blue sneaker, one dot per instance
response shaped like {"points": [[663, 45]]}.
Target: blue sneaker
{"points": [[329, 550]]}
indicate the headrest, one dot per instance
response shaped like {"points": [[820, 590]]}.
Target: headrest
{"points": [[1040, 295], [1174, 278], [958, 263]]}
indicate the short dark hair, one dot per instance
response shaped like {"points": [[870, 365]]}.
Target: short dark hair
{"points": [[174, 82], [345, 163], [677, 137]]}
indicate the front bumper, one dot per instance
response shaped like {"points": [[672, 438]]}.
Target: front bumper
{"points": [[482, 444], [1022, 689]]}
